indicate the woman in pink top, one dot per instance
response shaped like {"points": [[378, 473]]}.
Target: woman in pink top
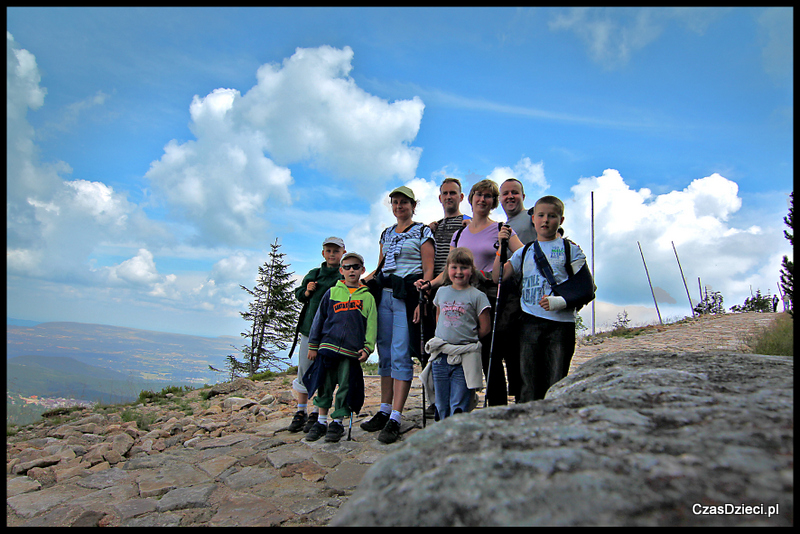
{"points": [[482, 237]]}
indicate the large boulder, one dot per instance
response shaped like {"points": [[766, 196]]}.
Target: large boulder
{"points": [[649, 438]]}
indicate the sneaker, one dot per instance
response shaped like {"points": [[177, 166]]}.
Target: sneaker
{"points": [[377, 422], [298, 421], [312, 418], [335, 432], [316, 432], [390, 433]]}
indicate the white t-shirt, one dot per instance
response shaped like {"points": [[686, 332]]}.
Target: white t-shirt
{"points": [[535, 285], [458, 313]]}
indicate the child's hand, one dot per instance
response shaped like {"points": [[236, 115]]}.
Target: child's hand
{"points": [[553, 303], [310, 288], [363, 355], [415, 318], [312, 355]]}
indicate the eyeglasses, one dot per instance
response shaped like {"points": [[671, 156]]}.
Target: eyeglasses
{"points": [[351, 266]]}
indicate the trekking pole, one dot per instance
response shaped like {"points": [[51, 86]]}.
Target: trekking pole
{"points": [[350, 428], [422, 359], [503, 253]]}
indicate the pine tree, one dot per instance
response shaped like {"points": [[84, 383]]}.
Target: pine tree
{"points": [[272, 315], [787, 269]]}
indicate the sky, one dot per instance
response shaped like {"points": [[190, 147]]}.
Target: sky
{"points": [[154, 154]]}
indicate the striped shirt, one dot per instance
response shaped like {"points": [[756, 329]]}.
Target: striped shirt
{"points": [[444, 233], [409, 259]]}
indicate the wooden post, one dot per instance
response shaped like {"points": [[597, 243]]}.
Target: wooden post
{"points": [[651, 285]]}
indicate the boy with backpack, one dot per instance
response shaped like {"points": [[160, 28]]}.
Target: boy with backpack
{"points": [[342, 336], [555, 283], [310, 293]]}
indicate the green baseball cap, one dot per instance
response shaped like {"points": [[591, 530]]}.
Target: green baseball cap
{"points": [[405, 191]]}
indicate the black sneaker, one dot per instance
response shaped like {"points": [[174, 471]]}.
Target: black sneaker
{"points": [[298, 421], [390, 433], [316, 432], [335, 432], [377, 422], [312, 418]]}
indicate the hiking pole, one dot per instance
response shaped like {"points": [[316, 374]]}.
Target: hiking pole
{"points": [[350, 428], [422, 302], [503, 254]]}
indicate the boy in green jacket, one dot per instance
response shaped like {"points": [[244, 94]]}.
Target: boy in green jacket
{"points": [[342, 336], [310, 292]]}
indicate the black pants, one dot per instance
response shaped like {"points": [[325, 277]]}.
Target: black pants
{"points": [[506, 346], [546, 349]]}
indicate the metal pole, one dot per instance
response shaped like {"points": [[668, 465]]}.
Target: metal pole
{"points": [[700, 288], [594, 274], [651, 285], [683, 278]]}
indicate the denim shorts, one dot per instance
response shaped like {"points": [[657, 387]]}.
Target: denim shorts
{"points": [[394, 350]]}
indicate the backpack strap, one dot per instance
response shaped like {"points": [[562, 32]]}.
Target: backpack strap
{"points": [[524, 251], [541, 258]]}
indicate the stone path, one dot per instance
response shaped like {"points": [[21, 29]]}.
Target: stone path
{"points": [[231, 462]]}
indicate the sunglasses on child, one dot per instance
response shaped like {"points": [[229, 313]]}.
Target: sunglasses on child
{"points": [[351, 266]]}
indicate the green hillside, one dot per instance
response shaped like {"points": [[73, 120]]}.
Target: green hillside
{"points": [[64, 377]]}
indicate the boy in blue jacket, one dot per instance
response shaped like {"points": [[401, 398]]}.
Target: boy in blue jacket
{"points": [[342, 336]]}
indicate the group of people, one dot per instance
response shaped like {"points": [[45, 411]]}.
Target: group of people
{"points": [[438, 285]]}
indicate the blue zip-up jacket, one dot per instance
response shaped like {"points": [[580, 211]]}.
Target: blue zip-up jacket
{"points": [[345, 323]]}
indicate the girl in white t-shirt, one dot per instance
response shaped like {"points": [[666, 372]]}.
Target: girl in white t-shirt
{"points": [[462, 318]]}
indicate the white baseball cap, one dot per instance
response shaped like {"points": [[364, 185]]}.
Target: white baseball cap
{"points": [[334, 241]]}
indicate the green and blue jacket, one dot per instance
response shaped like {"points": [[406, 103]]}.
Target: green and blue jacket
{"points": [[345, 323]]}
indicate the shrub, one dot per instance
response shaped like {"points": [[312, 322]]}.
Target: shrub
{"points": [[775, 340]]}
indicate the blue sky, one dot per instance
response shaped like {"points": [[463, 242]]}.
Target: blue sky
{"points": [[155, 153]]}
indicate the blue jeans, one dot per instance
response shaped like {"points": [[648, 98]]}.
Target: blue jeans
{"points": [[394, 350], [450, 387], [546, 349]]}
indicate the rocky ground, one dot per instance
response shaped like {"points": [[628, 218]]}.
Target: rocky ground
{"points": [[229, 461]]}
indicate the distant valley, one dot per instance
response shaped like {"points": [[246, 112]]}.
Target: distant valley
{"points": [[101, 363]]}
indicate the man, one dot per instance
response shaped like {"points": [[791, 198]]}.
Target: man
{"points": [[512, 194], [450, 196], [507, 327]]}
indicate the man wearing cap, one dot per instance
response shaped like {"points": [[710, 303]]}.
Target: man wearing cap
{"points": [[310, 293]]}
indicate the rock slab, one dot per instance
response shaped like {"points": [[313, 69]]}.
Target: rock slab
{"points": [[629, 439]]}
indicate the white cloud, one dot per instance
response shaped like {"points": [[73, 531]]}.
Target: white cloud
{"points": [[139, 270], [307, 110], [695, 219], [614, 35], [530, 174]]}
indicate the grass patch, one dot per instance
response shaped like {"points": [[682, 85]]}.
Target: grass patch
{"points": [[775, 340]]}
